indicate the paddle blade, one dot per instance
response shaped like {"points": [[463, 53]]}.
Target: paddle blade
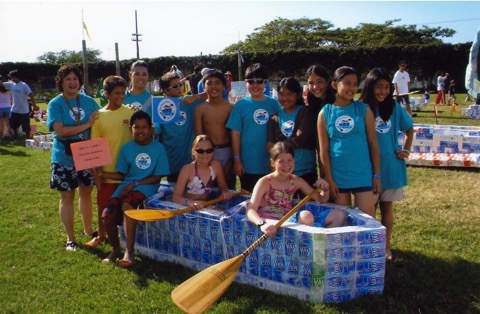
{"points": [[199, 292], [149, 214]]}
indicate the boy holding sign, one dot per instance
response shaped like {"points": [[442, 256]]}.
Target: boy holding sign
{"points": [[112, 123], [141, 164]]}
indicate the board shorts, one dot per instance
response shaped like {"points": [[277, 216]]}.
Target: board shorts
{"points": [[65, 178]]}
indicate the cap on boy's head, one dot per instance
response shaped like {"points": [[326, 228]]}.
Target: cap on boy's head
{"points": [[205, 70], [13, 73], [228, 73]]}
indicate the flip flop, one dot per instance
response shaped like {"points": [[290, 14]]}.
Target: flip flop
{"points": [[92, 243], [124, 263]]}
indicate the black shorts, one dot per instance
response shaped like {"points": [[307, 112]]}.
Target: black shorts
{"points": [[64, 178], [20, 119]]}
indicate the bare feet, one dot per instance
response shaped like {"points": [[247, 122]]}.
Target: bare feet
{"points": [[127, 261], [111, 258], [388, 255]]}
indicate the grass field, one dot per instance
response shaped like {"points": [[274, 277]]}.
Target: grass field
{"points": [[436, 243]]}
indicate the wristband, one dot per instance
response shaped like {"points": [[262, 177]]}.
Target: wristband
{"points": [[406, 151], [236, 156], [376, 176], [136, 183]]}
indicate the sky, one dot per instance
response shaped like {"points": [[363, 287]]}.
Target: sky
{"points": [[191, 28]]}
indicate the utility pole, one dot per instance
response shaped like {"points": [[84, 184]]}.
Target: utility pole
{"points": [[136, 35]]}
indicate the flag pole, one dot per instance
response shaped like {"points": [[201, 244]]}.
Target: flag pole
{"points": [[85, 60]]}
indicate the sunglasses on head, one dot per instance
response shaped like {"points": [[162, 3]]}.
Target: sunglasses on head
{"points": [[204, 151], [176, 86], [258, 81]]}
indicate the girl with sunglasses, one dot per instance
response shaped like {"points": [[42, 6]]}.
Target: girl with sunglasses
{"points": [[196, 180]]}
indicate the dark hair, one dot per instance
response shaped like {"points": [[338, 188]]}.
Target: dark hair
{"points": [[139, 63], [385, 108], [280, 148], [215, 73], [166, 78], [113, 81], [292, 84], [343, 71], [318, 103], [2, 87], [65, 70], [256, 70], [141, 115], [197, 68]]}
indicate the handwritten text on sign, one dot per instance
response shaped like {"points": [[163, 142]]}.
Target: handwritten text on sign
{"points": [[91, 154]]}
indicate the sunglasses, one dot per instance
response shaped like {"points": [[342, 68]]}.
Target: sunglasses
{"points": [[258, 81], [176, 86], [204, 151]]}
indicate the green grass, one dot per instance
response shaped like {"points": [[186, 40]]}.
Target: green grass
{"points": [[436, 242]]}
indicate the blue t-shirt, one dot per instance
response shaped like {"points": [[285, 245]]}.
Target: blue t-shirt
{"points": [[305, 161], [393, 170], [250, 117], [144, 101], [59, 111], [138, 162], [349, 152], [178, 137]]}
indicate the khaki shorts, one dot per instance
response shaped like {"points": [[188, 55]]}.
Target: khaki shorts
{"points": [[390, 195]]}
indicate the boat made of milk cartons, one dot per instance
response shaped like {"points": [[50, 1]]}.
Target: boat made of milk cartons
{"points": [[311, 263]]}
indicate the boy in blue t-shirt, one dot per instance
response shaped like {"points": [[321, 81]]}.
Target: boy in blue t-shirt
{"points": [[248, 122], [178, 136], [140, 165]]}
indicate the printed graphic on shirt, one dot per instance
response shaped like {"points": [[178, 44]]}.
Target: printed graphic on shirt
{"points": [[143, 161], [167, 110], [287, 128], [382, 126], [260, 116], [75, 112], [183, 118], [344, 124]]}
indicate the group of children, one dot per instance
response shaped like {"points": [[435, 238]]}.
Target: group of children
{"points": [[272, 145]]}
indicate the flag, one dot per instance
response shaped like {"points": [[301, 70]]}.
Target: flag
{"points": [[86, 30], [100, 94], [166, 110]]}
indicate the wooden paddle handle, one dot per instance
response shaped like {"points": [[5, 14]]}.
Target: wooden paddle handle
{"points": [[279, 223]]}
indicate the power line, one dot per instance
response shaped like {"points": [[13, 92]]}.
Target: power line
{"points": [[452, 21]]}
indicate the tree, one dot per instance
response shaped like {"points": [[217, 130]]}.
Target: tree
{"points": [[69, 57], [304, 33]]}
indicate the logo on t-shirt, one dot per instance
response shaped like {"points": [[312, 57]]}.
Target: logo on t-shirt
{"points": [[143, 161], [260, 116], [344, 124], [382, 126], [287, 128], [167, 109], [183, 118], [75, 112]]}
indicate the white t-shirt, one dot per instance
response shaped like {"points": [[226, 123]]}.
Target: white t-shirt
{"points": [[401, 79]]}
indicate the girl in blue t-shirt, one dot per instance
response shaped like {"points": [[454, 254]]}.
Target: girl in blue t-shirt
{"points": [[348, 145], [390, 118]]}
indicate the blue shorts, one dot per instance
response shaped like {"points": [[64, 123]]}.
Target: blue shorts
{"points": [[320, 216], [64, 178], [4, 112]]}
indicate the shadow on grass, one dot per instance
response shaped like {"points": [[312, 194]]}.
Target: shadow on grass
{"points": [[7, 151], [461, 169], [414, 283]]}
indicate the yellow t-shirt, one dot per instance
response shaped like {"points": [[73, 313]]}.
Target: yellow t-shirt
{"points": [[113, 125]]}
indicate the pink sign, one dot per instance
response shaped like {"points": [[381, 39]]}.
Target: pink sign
{"points": [[91, 154]]}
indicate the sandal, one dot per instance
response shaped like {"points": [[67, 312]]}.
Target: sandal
{"points": [[124, 263], [71, 246], [93, 243]]}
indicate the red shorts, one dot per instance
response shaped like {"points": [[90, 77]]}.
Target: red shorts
{"points": [[105, 193], [114, 211]]}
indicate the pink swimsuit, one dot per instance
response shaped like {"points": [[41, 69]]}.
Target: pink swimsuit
{"points": [[276, 202]]}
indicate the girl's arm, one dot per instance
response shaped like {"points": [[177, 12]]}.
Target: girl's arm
{"points": [[324, 144], [374, 150], [260, 189], [322, 185], [178, 192], [407, 145]]}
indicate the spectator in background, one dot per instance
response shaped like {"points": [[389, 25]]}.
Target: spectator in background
{"points": [[401, 83], [174, 69], [194, 79], [20, 112], [5, 106], [440, 88]]}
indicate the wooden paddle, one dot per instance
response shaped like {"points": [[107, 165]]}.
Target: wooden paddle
{"points": [[159, 214], [198, 293]]}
